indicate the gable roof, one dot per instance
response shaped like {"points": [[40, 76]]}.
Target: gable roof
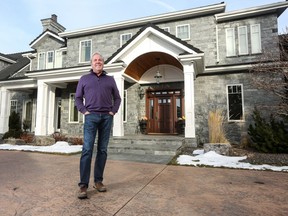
{"points": [[47, 33], [20, 63], [148, 25]]}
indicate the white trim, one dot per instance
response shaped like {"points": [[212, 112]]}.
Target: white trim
{"points": [[245, 42], [80, 50], [242, 99], [188, 28], [121, 38], [254, 11], [44, 35], [201, 11]]}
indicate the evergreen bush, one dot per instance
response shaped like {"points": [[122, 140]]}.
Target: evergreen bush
{"points": [[268, 136], [14, 126]]}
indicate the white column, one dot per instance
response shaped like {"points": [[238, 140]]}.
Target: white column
{"points": [[189, 75], [51, 110], [118, 127], [4, 109], [42, 109]]}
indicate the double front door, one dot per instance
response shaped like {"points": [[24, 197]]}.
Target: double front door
{"points": [[163, 110]]}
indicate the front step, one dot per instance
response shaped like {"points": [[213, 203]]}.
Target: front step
{"points": [[145, 145]]}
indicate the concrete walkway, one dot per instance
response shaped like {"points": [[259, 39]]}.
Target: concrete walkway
{"points": [[46, 184]]}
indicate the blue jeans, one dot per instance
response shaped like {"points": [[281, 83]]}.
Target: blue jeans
{"points": [[94, 123]]}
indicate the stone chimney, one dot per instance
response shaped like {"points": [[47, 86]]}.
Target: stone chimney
{"points": [[52, 24]]}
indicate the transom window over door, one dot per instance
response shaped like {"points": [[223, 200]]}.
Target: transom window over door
{"points": [[85, 51]]}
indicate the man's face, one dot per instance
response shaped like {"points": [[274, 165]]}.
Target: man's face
{"points": [[97, 64]]}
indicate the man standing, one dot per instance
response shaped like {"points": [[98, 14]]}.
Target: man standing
{"points": [[97, 97]]}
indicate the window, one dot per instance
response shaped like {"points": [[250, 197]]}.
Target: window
{"points": [[183, 32], [124, 38], [230, 42], [58, 58], [235, 102], [85, 51], [41, 61], [13, 106], [73, 112], [255, 39], [243, 40], [50, 60], [166, 29]]}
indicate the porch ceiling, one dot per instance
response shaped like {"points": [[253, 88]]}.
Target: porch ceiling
{"points": [[146, 61]]}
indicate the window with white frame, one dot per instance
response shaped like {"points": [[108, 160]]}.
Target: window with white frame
{"points": [[255, 38], [13, 106], [183, 32], [73, 112], [230, 42], [124, 38], [243, 40], [41, 61], [58, 58], [235, 102], [85, 51], [50, 60]]}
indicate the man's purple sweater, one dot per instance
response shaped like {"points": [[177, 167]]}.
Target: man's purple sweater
{"points": [[100, 93]]}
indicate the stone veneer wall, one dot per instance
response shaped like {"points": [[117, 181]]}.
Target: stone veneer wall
{"points": [[210, 93]]}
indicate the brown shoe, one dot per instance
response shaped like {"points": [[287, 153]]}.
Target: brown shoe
{"points": [[100, 187], [82, 194]]}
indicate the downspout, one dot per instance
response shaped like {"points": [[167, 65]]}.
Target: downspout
{"points": [[217, 45]]}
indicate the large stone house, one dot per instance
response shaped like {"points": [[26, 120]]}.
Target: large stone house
{"points": [[169, 66]]}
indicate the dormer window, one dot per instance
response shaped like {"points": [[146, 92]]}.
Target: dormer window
{"points": [[41, 61]]}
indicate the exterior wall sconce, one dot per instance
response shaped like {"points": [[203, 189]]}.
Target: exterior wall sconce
{"points": [[158, 75], [141, 92]]}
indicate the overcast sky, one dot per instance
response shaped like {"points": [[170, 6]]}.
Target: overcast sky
{"points": [[20, 19]]}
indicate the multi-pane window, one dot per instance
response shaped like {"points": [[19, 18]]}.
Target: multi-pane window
{"points": [[243, 40], [230, 42], [50, 60], [13, 106], [255, 38], [73, 112], [124, 38], [58, 58], [235, 102], [41, 61], [85, 50], [183, 32]]}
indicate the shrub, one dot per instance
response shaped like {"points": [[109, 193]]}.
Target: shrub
{"points": [[76, 141], [59, 137], [14, 126], [28, 138], [268, 136]]}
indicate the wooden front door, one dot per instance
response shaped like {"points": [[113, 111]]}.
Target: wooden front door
{"points": [[163, 109]]}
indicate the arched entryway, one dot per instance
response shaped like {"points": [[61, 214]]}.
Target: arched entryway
{"points": [[164, 98]]}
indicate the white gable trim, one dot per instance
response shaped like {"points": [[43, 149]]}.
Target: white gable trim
{"points": [[43, 36], [150, 33]]}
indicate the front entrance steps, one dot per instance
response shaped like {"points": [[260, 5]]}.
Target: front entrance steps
{"points": [[145, 148]]}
